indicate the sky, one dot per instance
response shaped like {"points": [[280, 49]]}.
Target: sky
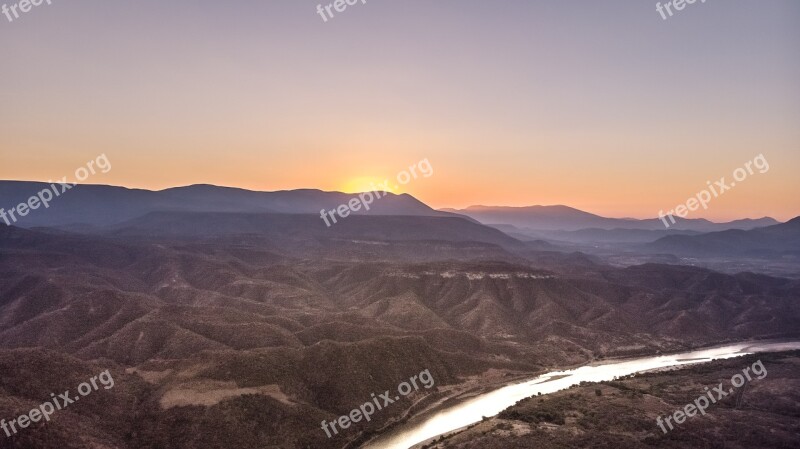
{"points": [[602, 106]]}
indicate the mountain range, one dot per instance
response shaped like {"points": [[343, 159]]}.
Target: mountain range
{"points": [[100, 205], [770, 241], [564, 218]]}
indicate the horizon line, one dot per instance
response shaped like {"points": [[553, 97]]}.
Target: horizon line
{"points": [[438, 209]]}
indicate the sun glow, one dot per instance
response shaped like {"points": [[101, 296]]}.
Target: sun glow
{"points": [[366, 184]]}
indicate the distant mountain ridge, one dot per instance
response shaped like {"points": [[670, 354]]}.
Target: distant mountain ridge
{"points": [[770, 241], [565, 218], [102, 205]]}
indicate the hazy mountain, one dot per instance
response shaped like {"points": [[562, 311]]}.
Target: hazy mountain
{"points": [[591, 235], [594, 235], [564, 218], [101, 205], [773, 241]]}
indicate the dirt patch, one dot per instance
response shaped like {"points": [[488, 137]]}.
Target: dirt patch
{"points": [[208, 393]]}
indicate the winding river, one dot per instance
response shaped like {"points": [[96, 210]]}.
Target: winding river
{"points": [[490, 404]]}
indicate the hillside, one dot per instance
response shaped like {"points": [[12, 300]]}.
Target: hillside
{"points": [[252, 319]]}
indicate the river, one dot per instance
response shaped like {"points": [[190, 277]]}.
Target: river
{"points": [[491, 403]]}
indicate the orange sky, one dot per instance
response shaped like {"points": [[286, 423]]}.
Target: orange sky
{"points": [[606, 108]]}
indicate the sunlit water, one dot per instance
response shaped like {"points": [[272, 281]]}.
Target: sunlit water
{"points": [[492, 403]]}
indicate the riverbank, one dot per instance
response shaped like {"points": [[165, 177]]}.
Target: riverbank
{"points": [[623, 414], [478, 387]]}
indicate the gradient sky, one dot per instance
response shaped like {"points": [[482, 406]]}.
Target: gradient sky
{"points": [[600, 105]]}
